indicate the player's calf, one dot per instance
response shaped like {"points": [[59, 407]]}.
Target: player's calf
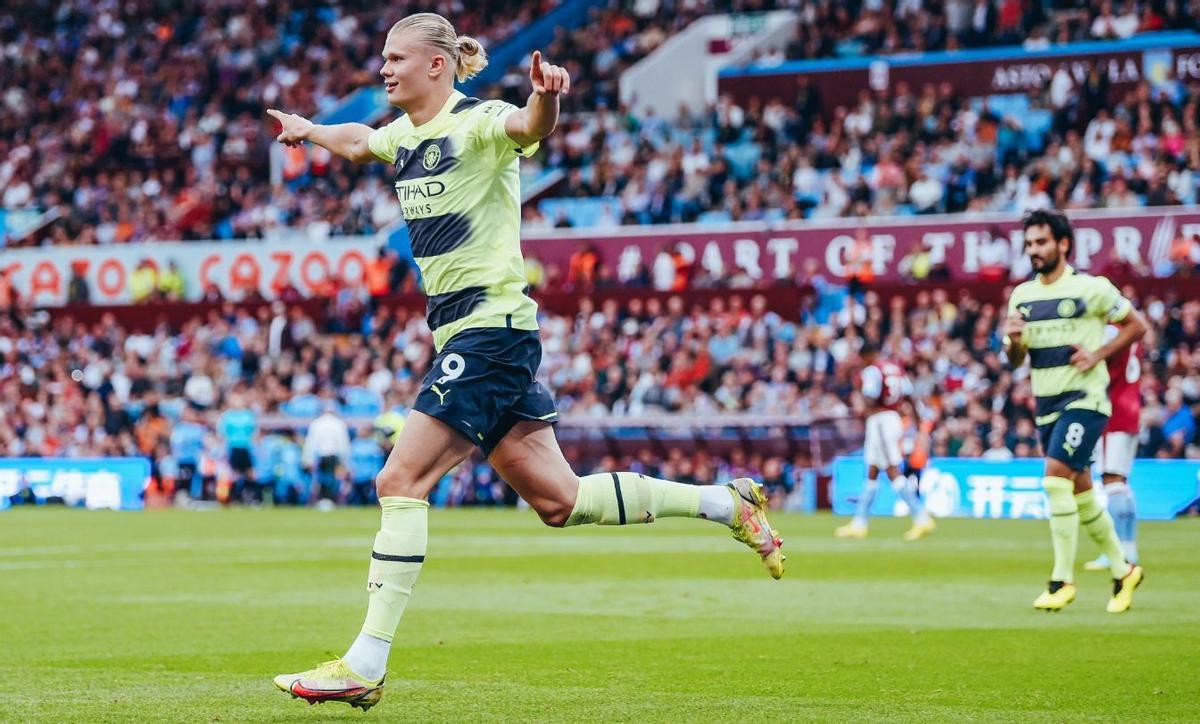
{"points": [[1099, 526], [631, 498]]}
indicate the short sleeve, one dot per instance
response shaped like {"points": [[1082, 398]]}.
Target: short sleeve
{"points": [[489, 130], [385, 142], [1110, 304]]}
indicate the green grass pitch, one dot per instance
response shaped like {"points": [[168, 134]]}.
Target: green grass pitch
{"points": [[185, 616]]}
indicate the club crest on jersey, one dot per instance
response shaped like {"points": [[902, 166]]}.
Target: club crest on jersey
{"points": [[433, 154], [1066, 307]]}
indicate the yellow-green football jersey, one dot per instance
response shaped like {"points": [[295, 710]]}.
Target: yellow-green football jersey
{"points": [[457, 178], [1070, 312]]}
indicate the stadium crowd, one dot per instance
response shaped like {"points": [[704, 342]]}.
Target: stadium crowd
{"points": [[110, 119], [234, 391], [139, 124], [909, 151]]}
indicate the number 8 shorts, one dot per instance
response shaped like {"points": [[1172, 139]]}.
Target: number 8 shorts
{"points": [[1072, 437], [482, 384]]}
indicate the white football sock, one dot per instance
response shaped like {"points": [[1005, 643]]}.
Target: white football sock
{"points": [[368, 656], [716, 504]]}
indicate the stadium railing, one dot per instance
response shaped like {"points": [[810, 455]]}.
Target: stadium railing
{"points": [[816, 439]]}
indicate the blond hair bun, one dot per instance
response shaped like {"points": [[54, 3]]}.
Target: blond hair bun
{"points": [[472, 58]]}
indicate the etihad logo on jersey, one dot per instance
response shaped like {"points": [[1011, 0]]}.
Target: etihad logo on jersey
{"points": [[415, 190], [1049, 333], [418, 199]]}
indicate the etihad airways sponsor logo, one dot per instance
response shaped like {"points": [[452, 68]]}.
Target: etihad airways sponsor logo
{"points": [[412, 190]]}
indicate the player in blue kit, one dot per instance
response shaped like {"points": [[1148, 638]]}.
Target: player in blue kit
{"points": [[456, 175]]}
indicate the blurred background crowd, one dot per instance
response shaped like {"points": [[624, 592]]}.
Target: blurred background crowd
{"points": [[254, 380], [133, 124], [134, 121]]}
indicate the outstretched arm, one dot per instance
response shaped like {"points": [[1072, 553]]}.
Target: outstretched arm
{"points": [[348, 140], [538, 118]]}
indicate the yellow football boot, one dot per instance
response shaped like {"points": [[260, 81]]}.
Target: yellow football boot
{"points": [[332, 681], [1122, 597], [751, 527], [851, 530], [1056, 597], [920, 529]]}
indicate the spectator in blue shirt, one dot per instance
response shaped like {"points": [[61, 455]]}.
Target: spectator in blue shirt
{"points": [[1179, 427], [187, 443], [366, 460], [238, 426], [291, 482]]}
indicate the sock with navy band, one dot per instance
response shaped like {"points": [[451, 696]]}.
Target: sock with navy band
{"points": [[396, 560]]}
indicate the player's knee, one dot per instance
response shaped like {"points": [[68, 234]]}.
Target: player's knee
{"points": [[554, 513], [1058, 469], [394, 482], [555, 509]]}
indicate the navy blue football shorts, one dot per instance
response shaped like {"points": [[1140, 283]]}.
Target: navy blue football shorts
{"points": [[483, 383], [1072, 437]]}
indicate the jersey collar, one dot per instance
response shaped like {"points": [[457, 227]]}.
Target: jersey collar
{"points": [[1068, 270], [455, 97]]}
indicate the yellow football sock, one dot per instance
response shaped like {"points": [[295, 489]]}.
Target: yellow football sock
{"points": [[1099, 526], [1064, 526], [395, 562], [621, 498]]}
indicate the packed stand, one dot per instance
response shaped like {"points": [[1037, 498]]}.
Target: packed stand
{"points": [[908, 150], [270, 396], [912, 151], [614, 38], [620, 34], [847, 29], [143, 125], [110, 118]]}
